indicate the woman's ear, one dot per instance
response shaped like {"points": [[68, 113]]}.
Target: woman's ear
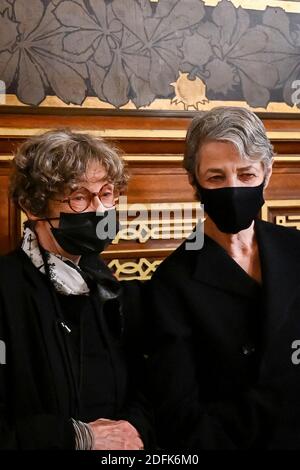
{"points": [[268, 174]]}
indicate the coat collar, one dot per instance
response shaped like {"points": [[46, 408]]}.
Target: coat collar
{"points": [[108, 286], [216, 268], [279, 249]]}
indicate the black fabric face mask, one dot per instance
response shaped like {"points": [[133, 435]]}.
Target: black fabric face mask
{"points": [[87, 232], [232, 209]]}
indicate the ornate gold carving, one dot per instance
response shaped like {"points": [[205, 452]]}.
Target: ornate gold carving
{"points": [[160, 221], [155, 230], [141, 270], [190, 93], [288, 221]]}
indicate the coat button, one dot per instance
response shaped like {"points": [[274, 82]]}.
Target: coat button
{"points": [[248, 349]]}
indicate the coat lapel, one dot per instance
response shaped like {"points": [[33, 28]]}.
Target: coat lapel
{"points": [[279, 250], [216, 268], [96, 270]]}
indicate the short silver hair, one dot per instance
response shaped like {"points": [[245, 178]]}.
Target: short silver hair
{"points": [[232, 124]]}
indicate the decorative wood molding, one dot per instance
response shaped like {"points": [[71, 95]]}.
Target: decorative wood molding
{"points": [[141, 269], [287, 158], [282, 212], [174, 134], [6, 158], [172, 158], [288, 221], [157, 106], [158, 221]]}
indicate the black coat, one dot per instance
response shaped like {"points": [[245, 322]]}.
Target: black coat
{"points": [[221, 364], [36, 387]]}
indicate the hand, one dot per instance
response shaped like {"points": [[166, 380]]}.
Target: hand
{"points": [[115, 435]]}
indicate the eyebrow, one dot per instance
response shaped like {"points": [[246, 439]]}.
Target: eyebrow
{"points": [[214, 170], [83, 182], [98, 181], [219, 171]]}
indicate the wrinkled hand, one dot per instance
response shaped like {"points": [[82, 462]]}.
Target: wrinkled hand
{"points": [[115, 435]]}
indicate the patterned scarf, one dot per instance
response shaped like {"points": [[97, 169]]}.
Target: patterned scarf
{"points": [[66, 277]]}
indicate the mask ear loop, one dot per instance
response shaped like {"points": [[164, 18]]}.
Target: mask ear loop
{"points": [[49, 222], [31, 223]]}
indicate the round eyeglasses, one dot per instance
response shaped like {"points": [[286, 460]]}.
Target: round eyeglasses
{"points": [[82, 198]]}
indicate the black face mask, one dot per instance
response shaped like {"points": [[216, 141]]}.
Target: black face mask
{"points": [[232, 209], [85, 233]]}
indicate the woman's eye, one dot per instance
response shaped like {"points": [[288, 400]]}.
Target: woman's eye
{"points": [[216, 178], [78, 198], [247, 175]]}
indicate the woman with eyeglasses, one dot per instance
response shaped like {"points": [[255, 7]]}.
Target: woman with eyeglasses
{"points": [[70, 381]]}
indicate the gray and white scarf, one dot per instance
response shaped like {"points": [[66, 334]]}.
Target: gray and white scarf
{"points": [[64, 274]]}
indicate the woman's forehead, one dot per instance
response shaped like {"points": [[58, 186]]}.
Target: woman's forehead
{"points": [[220, 154], [95, 173]]}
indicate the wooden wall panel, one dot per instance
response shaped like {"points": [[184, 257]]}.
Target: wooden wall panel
{"points": [[4, 213], [9, 216], [158, 182], [153, 148]]}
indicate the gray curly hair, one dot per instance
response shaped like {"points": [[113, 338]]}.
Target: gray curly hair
{"points": [[52, 163], [227, 123]]}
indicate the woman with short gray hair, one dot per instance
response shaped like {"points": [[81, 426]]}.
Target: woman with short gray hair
{"points": [[68, 381], [226, 315], [236, 125]]}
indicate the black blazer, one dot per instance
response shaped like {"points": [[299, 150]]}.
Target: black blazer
{"points": [[36, 388], [221, 367]]}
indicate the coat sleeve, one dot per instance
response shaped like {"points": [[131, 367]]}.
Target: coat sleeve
{"points": [[40, 431], [138, 410], [184, 420]]}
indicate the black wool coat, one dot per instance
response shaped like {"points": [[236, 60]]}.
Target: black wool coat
{"points": [[37, 391], [223, 367]]}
